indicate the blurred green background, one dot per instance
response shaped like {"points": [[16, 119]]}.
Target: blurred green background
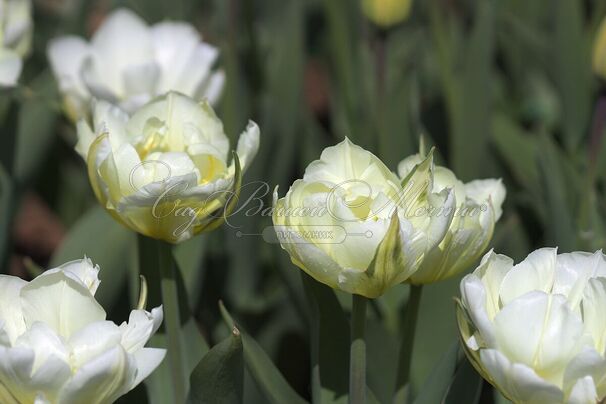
{"points": [[501, 88]]}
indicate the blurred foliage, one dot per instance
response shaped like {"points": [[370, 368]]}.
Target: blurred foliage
{"points": [[503, 89]]}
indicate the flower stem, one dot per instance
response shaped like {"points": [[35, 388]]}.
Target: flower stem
{"points": [[172, 318], [357, 358], [402, 394]]}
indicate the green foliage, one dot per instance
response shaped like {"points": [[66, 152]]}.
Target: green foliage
{"points": [[502, 89]]}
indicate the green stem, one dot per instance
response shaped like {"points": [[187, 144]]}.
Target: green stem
{"points": [[314, 337], [172, 318], [357, 359], [406, 348]]}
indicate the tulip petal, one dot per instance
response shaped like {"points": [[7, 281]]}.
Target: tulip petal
{"points": [[10, 67], [11, 315], [61, 302], [93, 340], [540, 331], [82, 271], [536, 272], [583, 392], [518, 382], [140, 327], [587, 363], [174, 43], [122, 40], [482, 191], [147, 360], [248, 144], [101, 380], [66, 56]]}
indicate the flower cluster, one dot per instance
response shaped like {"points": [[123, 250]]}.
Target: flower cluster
{"points": [[397, 229]]}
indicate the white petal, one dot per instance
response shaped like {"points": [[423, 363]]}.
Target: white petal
{"points": [[482, 191], [540, 331], [141, 80], [92, 341], [147, 360], [10, 68], [248, 144], [82, 271], [474, 299], [140, 327], [213, 87], [174, 43], [587, 363], [123, 40], [101, 380], [66, 55], [196, 70], [536, 272], [61, 302], [517, 381], [583, 392], [10, 307]]}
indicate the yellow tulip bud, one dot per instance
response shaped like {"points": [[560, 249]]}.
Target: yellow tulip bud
{"points": [[164, 171], [599, 51], [386, 13]]}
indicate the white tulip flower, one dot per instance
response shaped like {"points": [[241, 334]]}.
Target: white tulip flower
{"points": [[537, 330], [164, 171], [56, 345], [479, 207], [127, 63], [352, 224], [16, 29]]}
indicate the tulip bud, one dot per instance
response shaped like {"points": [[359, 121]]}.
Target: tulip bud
{"points": [[536, 330], [127, 63], [386, 13], [599, 51], [478, 207], [16, 29], [164, 171], [352, 224], [56, 345]]}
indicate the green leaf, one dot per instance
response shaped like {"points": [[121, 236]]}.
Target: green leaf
{"points": [[106, 243], [159, 386], [266, 375], [572, 68], [518, 150], [466, 386], [36, 132], [436, 386], [218, 378], [558, 221]]}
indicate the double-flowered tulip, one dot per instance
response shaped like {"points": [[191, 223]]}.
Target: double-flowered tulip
{"points": [[164, 171], [15, 38], [478, 209], [127, 63], [537, 330], [56, 345], [352, 224]]}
